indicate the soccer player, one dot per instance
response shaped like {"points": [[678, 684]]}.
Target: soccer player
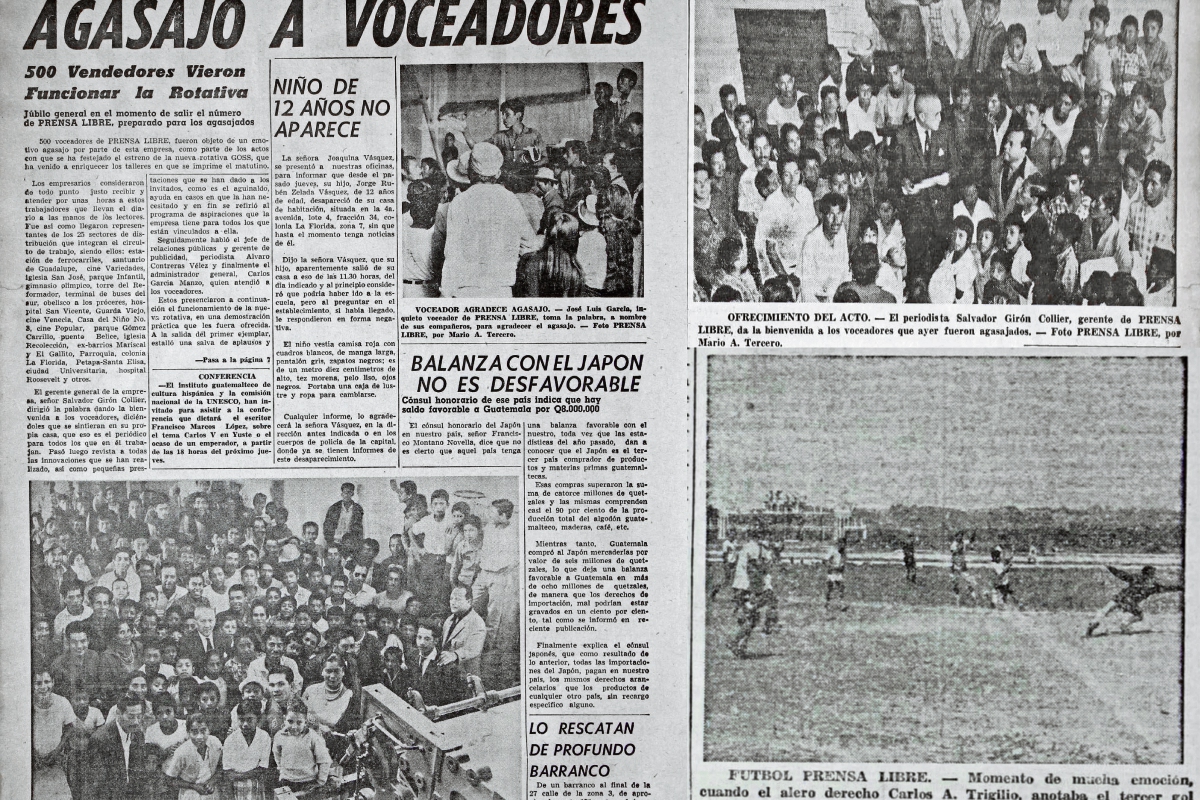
{"points": [[835, 572], [729, 560], [1001, 578], [747, 593], [909, 549], [958, 570], [1138, 587]]}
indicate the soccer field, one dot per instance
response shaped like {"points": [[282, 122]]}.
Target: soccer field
{"points": [[916, 679]]}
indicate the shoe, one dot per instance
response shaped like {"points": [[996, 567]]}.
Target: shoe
{"points": [[1091, 628]]}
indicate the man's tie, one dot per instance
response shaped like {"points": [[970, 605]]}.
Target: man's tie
{"points": [[925, 145]]}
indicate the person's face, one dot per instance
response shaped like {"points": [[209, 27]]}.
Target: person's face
{"points": [[841, 183], [348, 491], [785, 88], [602, 94], [698, 125], [1064, 107], [895, 77], [761, 151], [864, 94], [789, 178], [1129, 35], [310, 533], [929, 112], [169, 579], [625, 85], [829, 103], [961, 240], [701, 185], [245, 649], [205, 622], [295, 723], [198, 731], [408, 632], [986, 240], [131, 718], [831, 220], [212, 664], [332, 673], [745, 124], [425, 641], [102, 604], [184, 666], [250, 575], [201, 505], [258, 615], [152, 658], [74, 601], [970, 194], [43, 686], [887, 214], [120, 563], [125, 633], [990, 12], [1138, 105], [196, 587], [237, 671], [1151, 28], [729, 102], [1132, 180], [311, 640], [1014, 148], [216, 577], [359, 577], [1154, 188], [274, 647], [41, 631], [1100, 209], [833, 64], [1097, 29], [1016, 48], [385, 625], [1012, 237], [716, 163], [358, 624], [138, 685], [247, 724], [337, 589], [166, 719], [252, 557], [459, 602], [1025, 198]]}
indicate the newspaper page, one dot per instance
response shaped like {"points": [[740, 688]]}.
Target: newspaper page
{"points": [[346, 393]]}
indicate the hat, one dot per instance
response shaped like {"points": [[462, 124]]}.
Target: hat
{"points": [[586, 211], [544, 174], [1106, 85], [486, 160], [863, 46], [457, 171]]}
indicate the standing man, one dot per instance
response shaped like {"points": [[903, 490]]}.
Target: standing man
{"points": [[786, 218], [497, 592], [344, 518], [486, 231], [947, 41], [516, 140], [925, 159], [1010, 170], [463, 633], [629, 97], [116, 754], [604, 119]]}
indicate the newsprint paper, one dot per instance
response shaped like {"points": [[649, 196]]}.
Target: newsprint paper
{"points": [[381, 420]]}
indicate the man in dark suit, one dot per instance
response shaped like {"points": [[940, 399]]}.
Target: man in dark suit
{"points": [[724, 126], [197, 645], [438, 684], [925, 160], [344, 519], [1010, 170], [116, 754]]}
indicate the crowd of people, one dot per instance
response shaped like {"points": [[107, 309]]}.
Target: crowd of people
{"points": [[514, 216], [191, 644], [954, 159]]}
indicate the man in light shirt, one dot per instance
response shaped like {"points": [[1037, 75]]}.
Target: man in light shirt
{"points": [[825, 258], [486, 232], [786, 218]]}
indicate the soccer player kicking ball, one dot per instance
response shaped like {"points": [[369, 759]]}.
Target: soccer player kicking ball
{"points": [[1138, 587]]}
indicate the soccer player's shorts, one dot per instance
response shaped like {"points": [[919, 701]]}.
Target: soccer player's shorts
{"points": [[1130, 607]]}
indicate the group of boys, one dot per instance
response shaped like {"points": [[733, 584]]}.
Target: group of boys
{"points": [[1027, 167], [189, 613], [470, 218]]}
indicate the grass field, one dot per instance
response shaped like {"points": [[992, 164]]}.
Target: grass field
{"points": [[905, 676]]}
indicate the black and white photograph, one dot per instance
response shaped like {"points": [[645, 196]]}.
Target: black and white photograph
{"points": [[948, 560], [522, 180], [935, 151], [312, 637]]}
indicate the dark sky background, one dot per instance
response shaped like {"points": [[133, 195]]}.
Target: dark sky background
{"points": [[963, 432]]}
